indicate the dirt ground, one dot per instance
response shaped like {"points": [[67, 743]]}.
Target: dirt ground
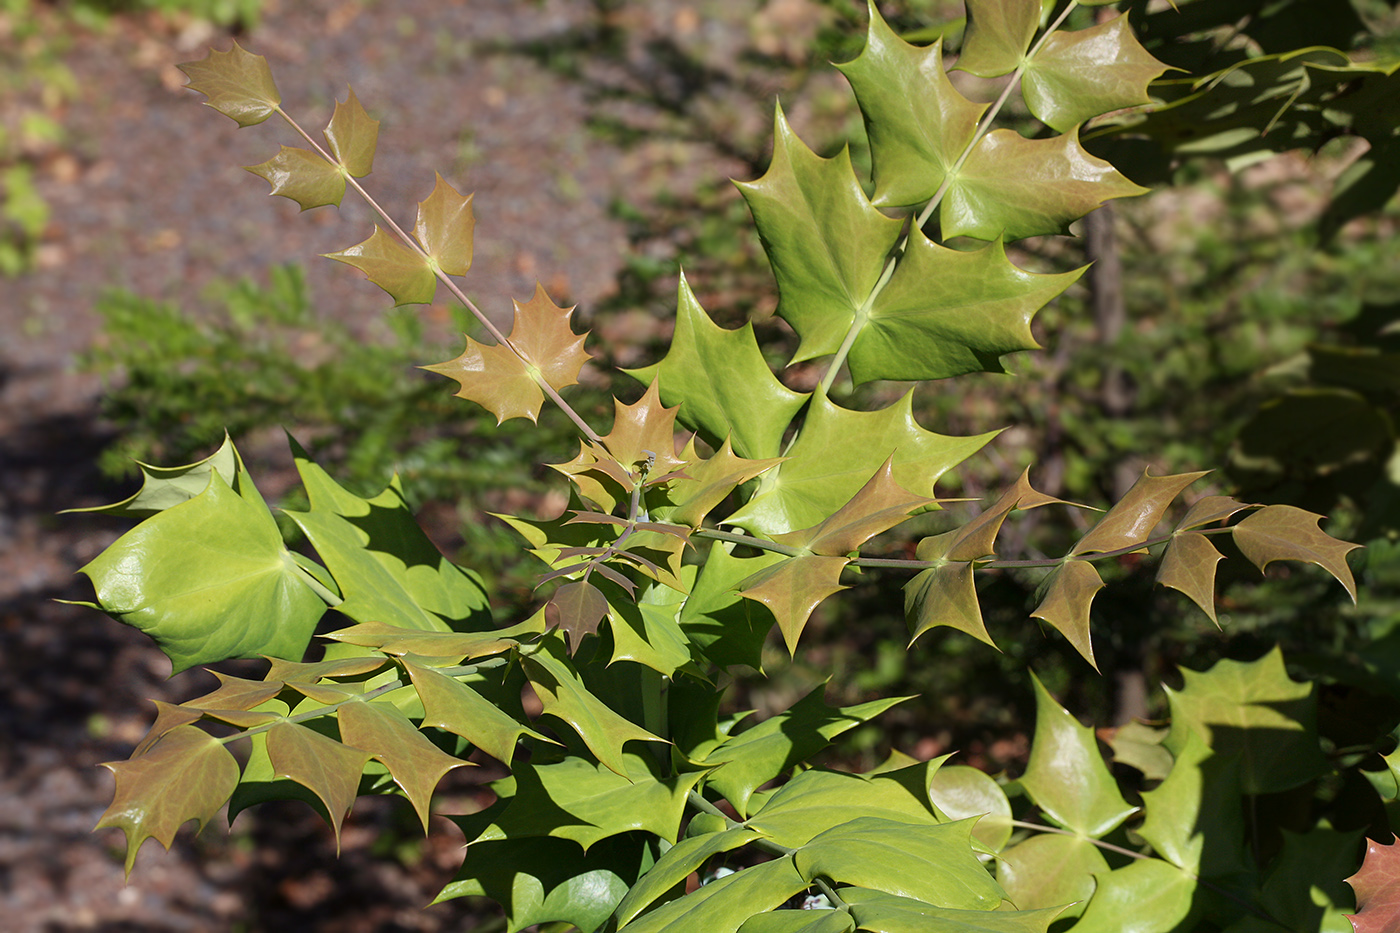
{"points": [[148, 195]]}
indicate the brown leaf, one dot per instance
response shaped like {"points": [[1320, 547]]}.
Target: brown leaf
{"points": [[1189, 566], [444, 228], [1283, 532], [1377, 887], [186, 775], [1131, 521], [401, 272], [878, 506], [944, 595], [706, 483], [415, 763], [577, 607], [393, 639], [1066, 604], [238, 84], [977, 538], [302, 176], [793, 589], [353, 135], [1210, 509], [323, 766]]}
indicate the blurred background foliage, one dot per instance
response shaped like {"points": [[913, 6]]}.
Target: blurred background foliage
{"points": [[1244, 316]]}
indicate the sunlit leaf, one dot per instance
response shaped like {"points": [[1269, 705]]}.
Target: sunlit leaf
{"points": [[818, 800], [878, 912], [726, 903], [394, 639], [727, 628], [793, 589], [1377, 887], [302, 176], [186, 775], [999, 33], [945, 595], [1066, 604], [456, 707], [705, 484], [352, 135], [444, 230], [1195, 816], [1133, 518], [960, 792], [403, 273], [415, 763], [1050, 870], [1284, 532], [1066, 775], [238, 84], [876, 507], [673, 867], [163, 487], [1188, 565], [1078, 75], [324, 766], [1146, 896], [576, 608], [978, 537]]}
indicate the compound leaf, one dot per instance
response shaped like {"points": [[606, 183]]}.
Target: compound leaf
{"points": [[237, 83], [998, 34], [1078, 75], [186, 775], [1066, 603], [721, 382], [353, 135], [1377, 887], [209, 579], [1132, 519], [1066, 775], [327, 768], [793, 589], [452, 705], [444, 230], [506, 381], [725, 904], [1188, 565], [406, 275], [302, 176], [415, 763], [825, 241], [917, 122], [1285, 532], [945, 595]]}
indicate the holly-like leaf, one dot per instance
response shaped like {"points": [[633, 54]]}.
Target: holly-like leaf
{"points": [[705, 484], [565, 697], [506, 381], [998, 34], [1251, 710], [1377, 887], [793, 589], [888, 913], [1195, 816], [323, 766], [576, 608], [947, 312], [1209, 509], [444, 230], [1304, 887], [878, 506], [1066, 604], [186, 775], [644, 432], [837, 452], [1049, 871], [209, 579], [1188, 565], [1284, 532], [352, 136], [917, 122], [302, 176], [1131, 521], [406, 275], [163, 487], [237, 83], [415, 763], [804, 921], [1014, 187], [387, 568], [1077, 75], [673, 868], [960, 792], [724, 626], [825, 241], [722, 383], [725, 904], [452, 705], [456, 646], [1066, 775], [945, 595], [1157, 895], [977, 539]]}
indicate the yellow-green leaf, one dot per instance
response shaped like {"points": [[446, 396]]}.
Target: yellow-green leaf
{"points": [[444, 228], [944, 595], [998, 34], [1284, 532], [1066, 604], [323, 766], [1050, 870], [454, 706], [705, 484], [404, 274], [302, 176], [1131, 521], [238, 84], [352, 135], [385, 733], [793, 589], [1189, 566], [1078, 75], [186, 775]]}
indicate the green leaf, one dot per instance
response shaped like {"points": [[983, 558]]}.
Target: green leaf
{"points": [[393, 639], [1133, 518], [825, 241], [1284, 532], [647, 633], [452, 705], [209, 579], [793, 589], [675, 866], [837, 452], [945, 595], [406, 275], [541, 880], [887, 913], [327, 768], [947, 312], [998, 34], [1148, 896], [1303, 887], [960, 792], [387, 568], [1014, 187], [444, 230], [722, 383], [1051, 870], [876, 507], [238, 84], [933, 864], [918, 124], [585, 802], [817, 800], [186, 775], [704, 484], [164, 487], [1068, 596], [1078, 75], [565, 697], [1066, 776], [352, 136], [1195, 816], [800, 921], [1254, 711], [415, 763], [1188, 565], [725, 904], [727, 628], [302, 176], [764, 751]]}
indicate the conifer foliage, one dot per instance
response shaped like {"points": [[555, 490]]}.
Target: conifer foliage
{"points": [[677, 558]]}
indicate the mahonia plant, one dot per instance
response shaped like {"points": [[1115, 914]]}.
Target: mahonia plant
{"points": [[674, 562]]}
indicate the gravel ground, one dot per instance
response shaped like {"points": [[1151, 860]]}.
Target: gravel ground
{"points": [[148, 195]]}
